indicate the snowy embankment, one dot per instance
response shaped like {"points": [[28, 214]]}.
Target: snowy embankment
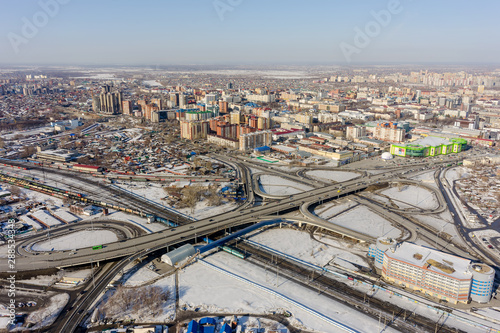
{"points": [[274, 185]]}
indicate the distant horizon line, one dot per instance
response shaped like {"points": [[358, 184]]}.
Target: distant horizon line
{"points": [[254, 65]]}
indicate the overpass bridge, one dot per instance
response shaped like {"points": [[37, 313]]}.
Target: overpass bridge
{"points": [[180, 234]]}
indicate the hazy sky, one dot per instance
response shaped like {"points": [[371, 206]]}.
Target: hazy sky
{"points": [[165, 32]]}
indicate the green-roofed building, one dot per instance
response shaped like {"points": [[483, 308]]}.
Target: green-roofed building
{"points": [[429, 146]]}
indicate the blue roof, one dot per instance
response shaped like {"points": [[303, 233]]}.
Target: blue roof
{"points": [[208, 329], [226, 329], [263, 148], [207, 320], [193, 327], [252, 104]]}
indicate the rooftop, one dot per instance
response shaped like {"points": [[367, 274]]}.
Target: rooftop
{"points": [[432, 141], [432, 260]]}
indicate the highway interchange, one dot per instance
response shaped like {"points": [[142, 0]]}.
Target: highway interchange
{"points": [[135, 246]]}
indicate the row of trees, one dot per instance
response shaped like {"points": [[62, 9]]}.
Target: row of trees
{"points": [[191, 195]]}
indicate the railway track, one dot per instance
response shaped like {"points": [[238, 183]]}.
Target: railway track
{"points": [[132, 201], [393, 316]]}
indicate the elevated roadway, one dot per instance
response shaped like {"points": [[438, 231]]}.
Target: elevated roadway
{"points": [[199, 228]]}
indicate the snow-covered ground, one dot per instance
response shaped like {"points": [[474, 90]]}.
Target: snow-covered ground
{"points": [[148, 190], [279, 186], [4, 323], [77, 240], [442, 223], [48, 314], [152, 83], [319, 251], [3, 251], [333, 208], [41, 197], [487, 233], [363, 220], [221, 292], [156, 193], [413, 196], [202, 210], [289, 169], [42, 280], [457, 173], [335, 176], [138, 277], [426, 177], [210, 290], [168, 308]]}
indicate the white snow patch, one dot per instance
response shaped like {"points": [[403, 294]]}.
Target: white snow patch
{"points": [[311, 250], [77, 240], [279, 186], [413, 195], [48, 314], [336, 176], [363, 220]]}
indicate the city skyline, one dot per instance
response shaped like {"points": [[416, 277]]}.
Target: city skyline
{"points": [[234, 32]]}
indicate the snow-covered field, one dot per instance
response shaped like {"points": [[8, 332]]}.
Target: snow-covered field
{"points": [[413, 196], [363, 220], [139, 276], [279, 186], [202, 210], [48, 314], [151, 191], [335, 176], [319, 251], [168, 308], [222, 292], [333, 208], [77, 240], [152, 83], [41, 197], [456, 173], [155, 193], [426, 177], [211, 290]]}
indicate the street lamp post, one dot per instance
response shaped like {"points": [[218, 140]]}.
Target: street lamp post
{"points": [[437, 236]]}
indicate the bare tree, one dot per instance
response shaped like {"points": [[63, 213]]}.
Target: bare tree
{"points": [[27, 151], [14, 190]]}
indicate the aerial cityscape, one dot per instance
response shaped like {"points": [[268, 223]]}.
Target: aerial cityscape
{"points": [[249, 166]]}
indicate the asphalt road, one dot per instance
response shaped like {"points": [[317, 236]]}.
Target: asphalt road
{"points": [[202, 227], [139, 246]]}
